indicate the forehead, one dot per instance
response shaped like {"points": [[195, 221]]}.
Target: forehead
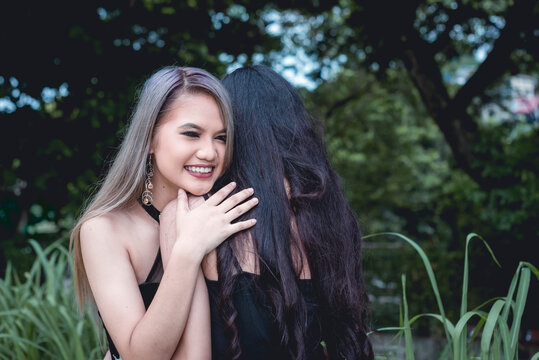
{"points": [[198, 108]]}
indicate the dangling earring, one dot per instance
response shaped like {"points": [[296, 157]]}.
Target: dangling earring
{"points": [[147, 195]]}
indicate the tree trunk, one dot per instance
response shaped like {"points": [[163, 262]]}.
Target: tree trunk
{"points": [[459, 129]]}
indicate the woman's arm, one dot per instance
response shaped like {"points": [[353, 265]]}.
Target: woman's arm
{"points": [[155, 333], [196, 339], [195, 343], [137, 333]]}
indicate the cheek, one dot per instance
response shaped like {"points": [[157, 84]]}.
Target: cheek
{"points": [[221, 150], [161, 143], [176, 149]]}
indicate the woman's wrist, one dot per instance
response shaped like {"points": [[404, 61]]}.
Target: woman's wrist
{"points": [[188, 251]]}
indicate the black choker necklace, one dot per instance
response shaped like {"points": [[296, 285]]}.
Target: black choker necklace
{"points": [[151, 210]]}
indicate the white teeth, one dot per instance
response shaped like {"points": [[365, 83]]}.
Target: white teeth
{"points": [[197, 169]]}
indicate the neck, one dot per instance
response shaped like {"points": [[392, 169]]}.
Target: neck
{"points": [[160, 202], [162, 195]]}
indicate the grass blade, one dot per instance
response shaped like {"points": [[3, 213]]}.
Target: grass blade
{"points": [[490, 326], [520, 303], [407, 330], [429, 270]]}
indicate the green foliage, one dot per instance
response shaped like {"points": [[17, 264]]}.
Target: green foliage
{"points": [[391, 157], [399, 174], [396, 173], [499, 326], [38, 315]]}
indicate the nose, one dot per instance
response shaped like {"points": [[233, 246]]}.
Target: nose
{"points": [[207, 150]]}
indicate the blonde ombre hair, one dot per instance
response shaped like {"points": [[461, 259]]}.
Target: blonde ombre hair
{"points": [[115, 191]]}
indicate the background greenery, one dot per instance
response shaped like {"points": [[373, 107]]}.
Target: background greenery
{"points": [[39, 318], [414, 153]]}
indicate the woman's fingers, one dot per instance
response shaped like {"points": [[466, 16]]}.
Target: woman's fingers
{"points": [[236, 199], [241, 225], [183, 202], [241, 209], [195, 201], [210, 223], [218, 199], [220, 195]]}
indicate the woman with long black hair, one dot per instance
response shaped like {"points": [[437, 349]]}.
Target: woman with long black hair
{"points": [[292, 286]]}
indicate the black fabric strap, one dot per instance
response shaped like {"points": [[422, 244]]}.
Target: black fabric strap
{"points": [[151, 210], [157, 263]]}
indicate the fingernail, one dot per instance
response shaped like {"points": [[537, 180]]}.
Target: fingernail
{"points": [[180, 191]]}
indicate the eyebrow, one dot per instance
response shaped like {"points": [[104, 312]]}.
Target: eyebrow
{"points": [[189, 126], [196, 127]]}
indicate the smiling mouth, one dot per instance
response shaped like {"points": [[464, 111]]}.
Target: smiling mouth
{"points": [[200, 169]]}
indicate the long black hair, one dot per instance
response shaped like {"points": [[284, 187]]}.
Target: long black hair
{"points": [[275, 140]]}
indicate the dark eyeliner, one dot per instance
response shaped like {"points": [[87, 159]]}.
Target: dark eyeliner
{"points": [[190, 133]]}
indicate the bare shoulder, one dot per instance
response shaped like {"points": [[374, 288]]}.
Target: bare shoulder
{"points": [[99, 223], [103, 224], [106, 231]]}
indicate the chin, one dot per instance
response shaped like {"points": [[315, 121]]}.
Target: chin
{"points": [[199, 191]]}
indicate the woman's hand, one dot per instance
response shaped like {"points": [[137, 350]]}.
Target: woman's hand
{"points": [[167, 228], [200, 229], [211, 223]]}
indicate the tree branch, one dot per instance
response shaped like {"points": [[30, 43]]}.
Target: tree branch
{"points": [[497, 62], [458, 128]]}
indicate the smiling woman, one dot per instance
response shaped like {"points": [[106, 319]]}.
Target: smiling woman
{"points": [[139, 244]]}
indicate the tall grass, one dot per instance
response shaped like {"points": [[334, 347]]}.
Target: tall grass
{"points": [[38, 315], [497, 326]]}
